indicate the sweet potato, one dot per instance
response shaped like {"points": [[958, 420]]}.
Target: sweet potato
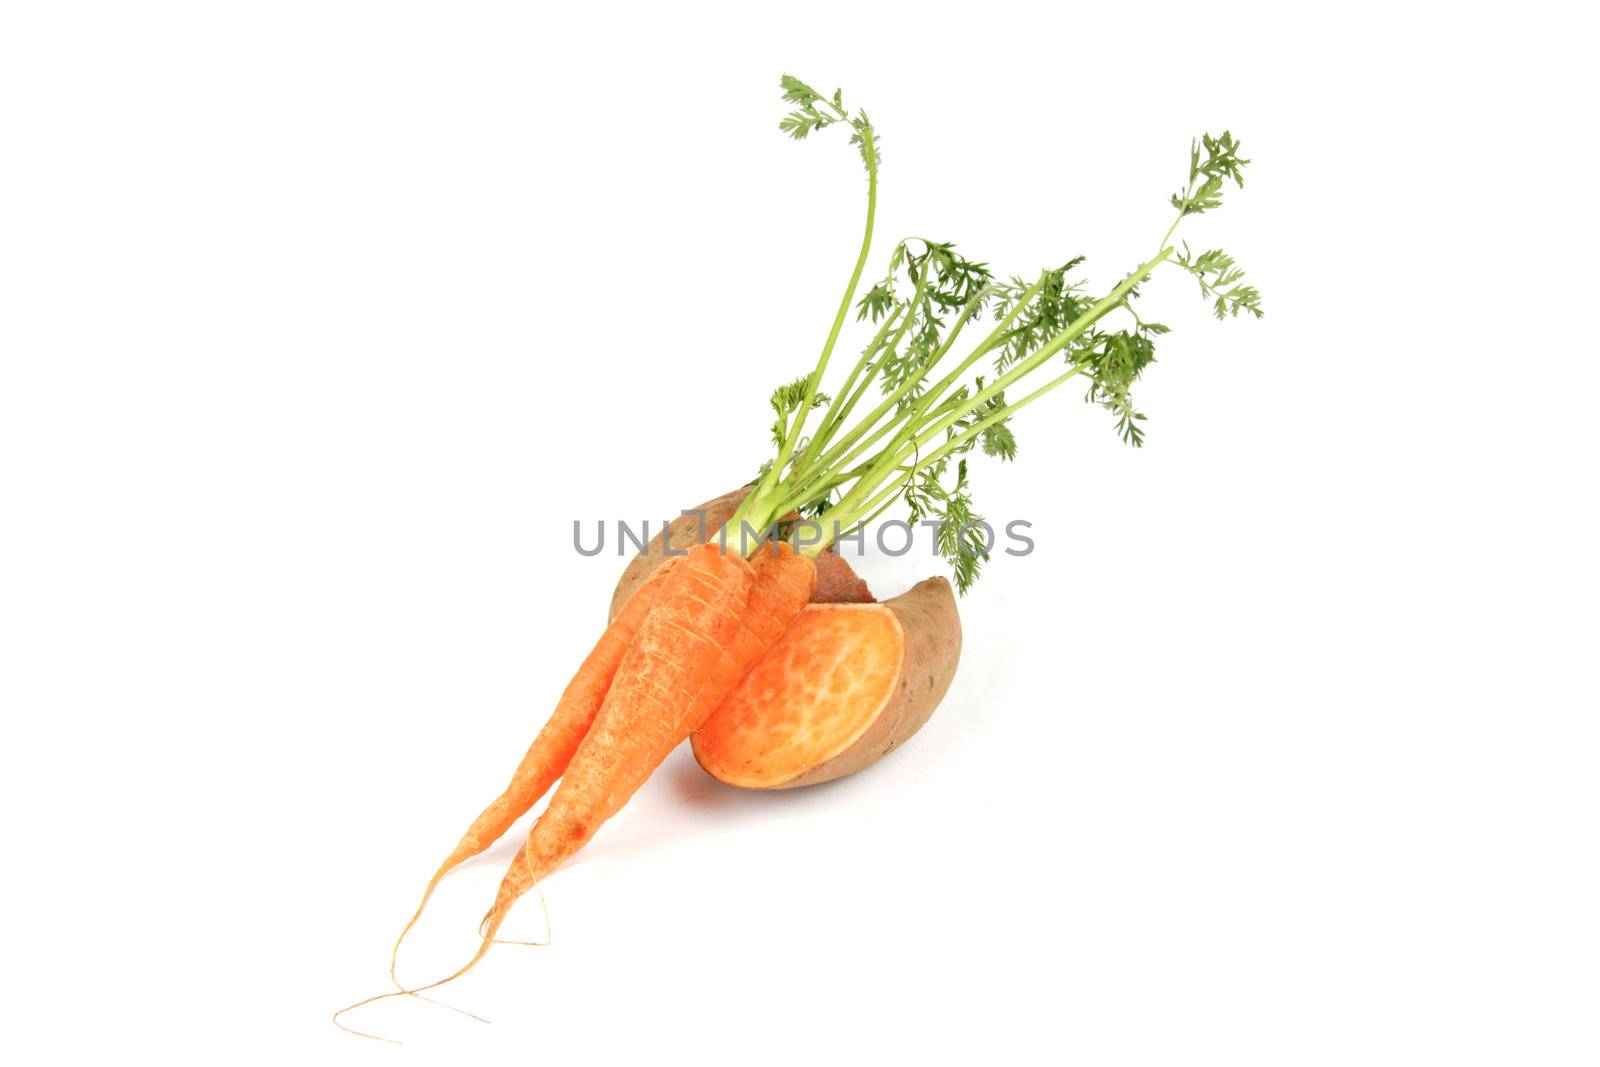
{"points": [[843, 687], [836, 582]]}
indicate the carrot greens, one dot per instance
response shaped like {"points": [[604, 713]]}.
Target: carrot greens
{"points": [[911, 444]]}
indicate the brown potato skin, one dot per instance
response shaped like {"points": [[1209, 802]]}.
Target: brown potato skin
{"points": [[836, 582], [932, 626]]}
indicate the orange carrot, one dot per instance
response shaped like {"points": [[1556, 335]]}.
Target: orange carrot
{"points": [[713, 617], [552, 750], [632, 736], [716, 617]]}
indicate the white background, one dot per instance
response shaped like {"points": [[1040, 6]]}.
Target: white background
{"points": [[320, 323]]}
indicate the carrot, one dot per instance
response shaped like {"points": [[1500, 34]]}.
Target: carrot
{"points": [[552, 749], [716, 617]]}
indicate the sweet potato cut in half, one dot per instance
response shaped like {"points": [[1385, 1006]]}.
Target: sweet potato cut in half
{"points": [[840, 690]]}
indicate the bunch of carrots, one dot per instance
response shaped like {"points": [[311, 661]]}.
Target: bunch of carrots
{"points": [[692, 631]]}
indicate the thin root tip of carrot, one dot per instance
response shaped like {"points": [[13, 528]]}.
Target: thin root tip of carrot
{"points": [[394, 953], [452, 1007], [362, 1004], [417, 993], [490, 925], [487, 932]]}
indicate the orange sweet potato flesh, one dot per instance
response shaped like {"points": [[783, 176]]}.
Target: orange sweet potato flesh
{"points": [[843, 687]]}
